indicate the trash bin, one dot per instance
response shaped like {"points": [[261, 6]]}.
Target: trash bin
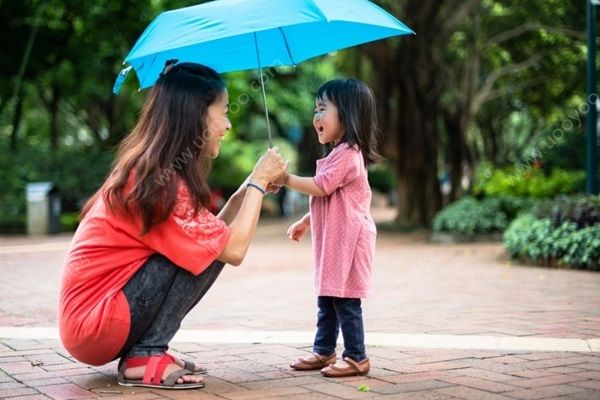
{"points": [[43, 208]]}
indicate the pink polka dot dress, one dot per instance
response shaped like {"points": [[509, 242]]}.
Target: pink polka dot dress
{"points": [[343, 231]]}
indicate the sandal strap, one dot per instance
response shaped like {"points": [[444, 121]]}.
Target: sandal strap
{"points": [[321, 358], [153, 373], [356, 365], [171, 379], [189, 365], [155, 368]]}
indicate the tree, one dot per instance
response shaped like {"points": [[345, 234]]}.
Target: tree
{"points": [[431, 87]]}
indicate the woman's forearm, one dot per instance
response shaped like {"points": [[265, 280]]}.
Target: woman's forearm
{"points": [[242, 226], [232, 206], [304, 185]]}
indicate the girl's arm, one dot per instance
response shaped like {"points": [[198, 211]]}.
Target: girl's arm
{"points": [[304, 185]]}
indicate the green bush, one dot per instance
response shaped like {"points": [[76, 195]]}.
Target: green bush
{"points": [[470, 216], [583, 210], [77, 172], [382, 177], [539, 241], [526, 182], [237, 158]]}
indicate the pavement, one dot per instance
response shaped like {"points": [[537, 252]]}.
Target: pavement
{"points": [[446, 321]]}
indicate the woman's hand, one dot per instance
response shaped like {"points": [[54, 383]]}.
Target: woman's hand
{"points": [[268, 168], [298, 229]]}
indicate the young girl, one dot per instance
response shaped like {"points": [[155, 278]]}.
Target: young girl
{"points": [[343, 231], [147, 249]]}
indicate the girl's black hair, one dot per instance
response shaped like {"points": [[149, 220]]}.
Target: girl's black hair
{"points": [[358, 115]]}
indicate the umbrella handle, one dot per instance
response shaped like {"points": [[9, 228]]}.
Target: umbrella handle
{"points": [[262, 85]]}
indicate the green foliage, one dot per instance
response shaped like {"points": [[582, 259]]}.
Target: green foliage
{"points": [[526, 182], [78, 172], [583, 210], [540, 241], [382, 177], [471, 216], [237, 158], [363, 388]]}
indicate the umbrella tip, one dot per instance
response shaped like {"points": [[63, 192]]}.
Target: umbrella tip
{"points": [[120, 79]]}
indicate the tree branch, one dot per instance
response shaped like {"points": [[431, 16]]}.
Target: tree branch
{"points": [[530, 27], [487, 88], [461, 9]]}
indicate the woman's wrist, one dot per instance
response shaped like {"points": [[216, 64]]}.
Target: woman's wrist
{"points": [[250, 184], [258, 180]]}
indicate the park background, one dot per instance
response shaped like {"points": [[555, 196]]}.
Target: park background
{"points": [[482, 116]]}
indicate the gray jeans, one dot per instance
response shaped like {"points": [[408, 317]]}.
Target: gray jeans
{"points": [[160, 295]]}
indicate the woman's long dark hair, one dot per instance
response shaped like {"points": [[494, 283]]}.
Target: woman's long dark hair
{"points": [[167, 145], [358, 115]]}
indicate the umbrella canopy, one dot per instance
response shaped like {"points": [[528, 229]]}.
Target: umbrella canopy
{"points": [[234, 35]]}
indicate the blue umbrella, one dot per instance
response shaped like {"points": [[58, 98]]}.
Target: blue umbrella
{"points": [[235, 35]]}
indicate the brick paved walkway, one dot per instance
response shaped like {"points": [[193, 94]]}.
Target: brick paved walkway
{"points": [[435, 293]]}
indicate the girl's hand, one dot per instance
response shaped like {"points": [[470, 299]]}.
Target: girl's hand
{"points": [[272, 188], [298, 229]]}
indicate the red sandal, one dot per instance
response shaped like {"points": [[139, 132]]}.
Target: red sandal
{"points": [[155, 367]]}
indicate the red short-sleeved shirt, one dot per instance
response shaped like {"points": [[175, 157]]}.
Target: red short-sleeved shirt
{"points": [[106, 251]]}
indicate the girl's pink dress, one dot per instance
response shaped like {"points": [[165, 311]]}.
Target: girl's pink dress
{"points": [[343, 231]]}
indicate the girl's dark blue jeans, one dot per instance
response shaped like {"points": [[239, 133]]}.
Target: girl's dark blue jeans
{"points": [[335, 313], [160, 295]]}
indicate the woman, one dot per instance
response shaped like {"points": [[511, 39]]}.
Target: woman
{"points": [[147, 249]]}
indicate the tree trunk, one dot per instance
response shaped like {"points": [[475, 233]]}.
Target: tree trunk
{"points": [[412, 114], [54, 117], [16, 123], [416, 146]]}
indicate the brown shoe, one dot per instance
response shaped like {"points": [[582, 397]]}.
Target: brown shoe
{"points": [[348, 367], [316, 361]]}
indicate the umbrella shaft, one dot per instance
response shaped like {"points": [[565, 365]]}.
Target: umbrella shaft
{"points": [[262, 85]]}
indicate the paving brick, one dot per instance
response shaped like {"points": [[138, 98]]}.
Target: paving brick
{"points": [[483, 374], [548, 381], [12, 384], [265, 393], [588, 366], [199, 394], [52, 374], [219, 386], [536, 373], [94, 381], [468, 393], [286, 382], [545, 392], [405, 387], [36, 383], [595, 385], [119, 395], [340, 391], [426, 395], [586, 395], [589, 375], [481, 384], [419, 376], [66, 391], [20, 391]]}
